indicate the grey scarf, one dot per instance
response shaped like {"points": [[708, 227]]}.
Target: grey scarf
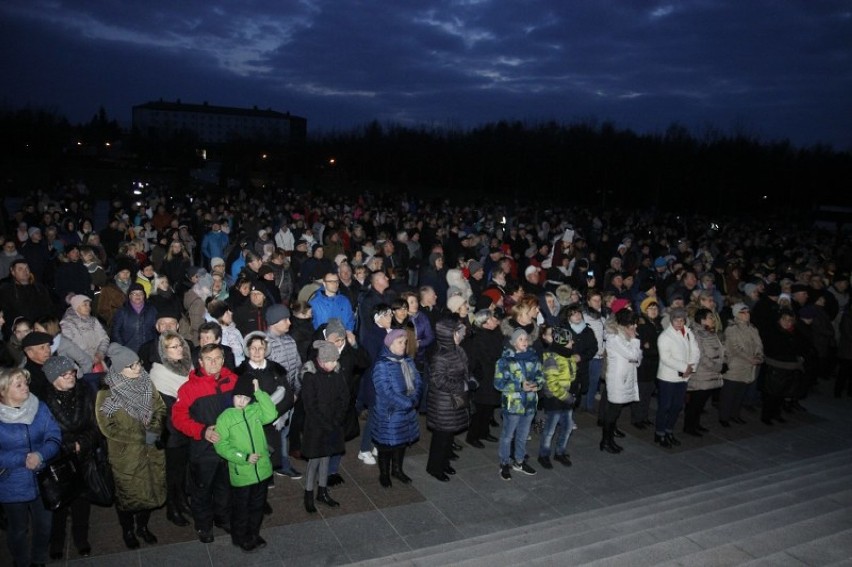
{"points": [[24, 414], [407, 374]]}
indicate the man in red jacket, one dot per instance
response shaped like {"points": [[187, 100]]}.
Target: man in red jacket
{"points": [[200, 400]]}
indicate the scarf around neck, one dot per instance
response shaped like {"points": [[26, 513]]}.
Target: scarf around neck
{"points": [[132, 395], [23, 415]]}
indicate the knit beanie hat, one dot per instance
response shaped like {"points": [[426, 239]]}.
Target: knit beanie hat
{"points": [[78, 300], [517, 334], [393, 335], [276, 313], [120, 356], [244, 386], [619, 304], [335, 327], [646, 303], [326, 351], [56, 366]]}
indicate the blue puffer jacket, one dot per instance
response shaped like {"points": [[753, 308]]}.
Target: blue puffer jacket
{"points": [[17, 482], [394, 413]]}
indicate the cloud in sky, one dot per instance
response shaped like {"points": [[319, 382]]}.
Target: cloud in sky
{"points": [[773, 69]]}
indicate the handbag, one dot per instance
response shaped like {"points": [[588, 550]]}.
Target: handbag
{"points": [[60, 481], [97, 475]]}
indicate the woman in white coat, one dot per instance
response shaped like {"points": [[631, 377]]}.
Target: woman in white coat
{"points": [[623, 355], [679, 356]]}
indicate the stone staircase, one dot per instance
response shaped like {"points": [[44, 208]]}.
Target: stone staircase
{"points": [[795, 514]]}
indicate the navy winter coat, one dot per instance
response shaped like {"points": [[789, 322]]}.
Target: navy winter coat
{"points": [[131, 329], [394, 412]]}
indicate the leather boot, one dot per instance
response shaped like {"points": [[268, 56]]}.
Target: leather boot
{"points": [[662, 441], [384, 469], [174, 515], [606, 441], [612, 436], [130, 539], [675, 442], [309, 502], [324, 497], [396, 466]]}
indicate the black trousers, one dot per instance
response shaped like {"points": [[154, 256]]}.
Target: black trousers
{"points": [[611, 413], [639, 411], [176, 467], [694, 407], [80, 510], [211, 493], [247, 511], [439, 452], [731, 399], [131, 521], [479, 422]]}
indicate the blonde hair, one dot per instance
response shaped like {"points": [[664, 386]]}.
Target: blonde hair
{"points": [[7, 376]]}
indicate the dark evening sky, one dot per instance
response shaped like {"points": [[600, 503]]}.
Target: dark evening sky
{"points": [[769, 68]]}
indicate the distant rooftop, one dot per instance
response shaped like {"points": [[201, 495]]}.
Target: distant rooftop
{"points": [[209, 108]]}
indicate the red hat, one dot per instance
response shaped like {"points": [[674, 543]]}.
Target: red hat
{"points": [[619, 304]]}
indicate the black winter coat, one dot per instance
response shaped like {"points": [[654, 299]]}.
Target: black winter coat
{"points": [[74, 411], [325, 396], [483, 349], [448, 378], [585, 345], [648, 332]]}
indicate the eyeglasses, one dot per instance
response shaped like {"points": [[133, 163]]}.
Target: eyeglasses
{"points": [[332, 281]]}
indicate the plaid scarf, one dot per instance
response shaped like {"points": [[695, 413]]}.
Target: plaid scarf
{"points": [[131, 395]]}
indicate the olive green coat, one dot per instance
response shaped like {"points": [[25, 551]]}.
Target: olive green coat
{"points": [[139, 469]]}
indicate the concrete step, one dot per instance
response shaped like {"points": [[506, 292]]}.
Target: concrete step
{"points": [[754, 513], [798, 524], [695, 509], [829, 550]]}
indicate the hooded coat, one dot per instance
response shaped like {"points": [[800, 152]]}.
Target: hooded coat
{"points": [[240, 434], [448, 377]]}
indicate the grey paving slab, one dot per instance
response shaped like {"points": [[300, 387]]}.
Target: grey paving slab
{"points": [[128, 559], [825, 550], [299, 540], [356, 529], [722, 556], [179, 554], [437, 536], [378, 548], [413, 519]]}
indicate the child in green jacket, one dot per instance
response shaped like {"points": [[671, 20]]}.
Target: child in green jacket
{"points": [[242, 443]]}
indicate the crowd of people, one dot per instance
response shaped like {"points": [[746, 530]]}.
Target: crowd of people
{"points": [[209, 345]]}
